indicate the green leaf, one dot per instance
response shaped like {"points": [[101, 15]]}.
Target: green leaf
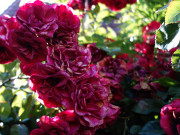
{"points": [[135, 129], [164, 7], [167, 37], [25, 110], [152, 128], [173, 13], [19, 129], [148, 106], [5, 110], [176, 60], [175, 91], [167, 82]]}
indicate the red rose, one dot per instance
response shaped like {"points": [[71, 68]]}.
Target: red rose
{"points": [[97, 54], [53, 86], [38, 18], [28, 47], [114, 4], [6, 24], [62, 124], [81, 5], [131, 1], [113, 69], [149, 32], [6, 55], [91, 102], [170, 118], [75, 61]]}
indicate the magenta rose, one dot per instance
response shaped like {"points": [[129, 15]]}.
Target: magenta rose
{"points": [[53, 86], [28, 47], [62, 124], [91, 102], [170, 118], [115, 5], [38, 18], [81, 5], [75, 61]]}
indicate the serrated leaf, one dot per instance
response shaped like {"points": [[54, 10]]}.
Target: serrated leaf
{"points": [[167, 82], [173, 13], [176, 60], [167, 37]]}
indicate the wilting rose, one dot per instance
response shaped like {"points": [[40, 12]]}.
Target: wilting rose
{"points": [[75, 61], [38, 18], [97, 54], [81, 4], [62, 124], [113, 69], [114, 4], [170, 118], [149, 32], [6, 55], [53, 86], [28, 47], [91, 102]]}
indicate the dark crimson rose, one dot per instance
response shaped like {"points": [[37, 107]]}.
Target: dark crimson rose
{"points": [[53, 86], [38, 18], [28, 47], [112, 114], [64, 123], [117, 92], [170, 118], [131, 1], [115, 5], [113, 69], [91, 102], [81, 4], [6, 55], [149, 32], [97, 54], [66, 19], [75, 61], [6, 24]]}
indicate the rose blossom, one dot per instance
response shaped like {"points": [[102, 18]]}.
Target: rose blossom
{"points": [[62, 124], [53, 86], [75, 61], [6, 55], [91, 102], [113, 69], [80, 4], [28, 47], [114, 4], [38, 18], [149, 32], [97, 54], [6, 25], [170, 118]]}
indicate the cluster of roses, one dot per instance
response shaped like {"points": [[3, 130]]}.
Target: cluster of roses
{"points": [[115, 5], [44, 39], [148, 65]]}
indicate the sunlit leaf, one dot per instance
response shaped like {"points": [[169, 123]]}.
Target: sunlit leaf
{"points": [[176, 60]]}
